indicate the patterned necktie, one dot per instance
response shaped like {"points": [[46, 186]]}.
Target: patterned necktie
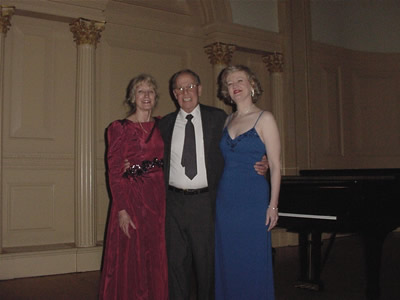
{"points": [[189, 150]]}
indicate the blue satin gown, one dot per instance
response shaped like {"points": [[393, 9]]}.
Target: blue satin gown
{"points": [[243, 254]]}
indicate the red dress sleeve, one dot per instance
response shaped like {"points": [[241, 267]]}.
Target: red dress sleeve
{"points": [[116, 155]]}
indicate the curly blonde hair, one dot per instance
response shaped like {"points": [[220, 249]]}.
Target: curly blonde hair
{"points": [[223, 92]]}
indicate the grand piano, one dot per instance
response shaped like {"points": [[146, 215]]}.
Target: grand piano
{"points": [[362, 201]]}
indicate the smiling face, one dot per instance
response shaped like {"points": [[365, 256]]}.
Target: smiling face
{"points": [[145, 96], [239, 86], [187, 91]]}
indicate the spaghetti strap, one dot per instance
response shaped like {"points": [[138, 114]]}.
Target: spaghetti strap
{"points": [[258, 119]]}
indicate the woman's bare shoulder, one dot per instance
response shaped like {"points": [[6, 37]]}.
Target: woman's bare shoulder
{"points": [[267, 116]]}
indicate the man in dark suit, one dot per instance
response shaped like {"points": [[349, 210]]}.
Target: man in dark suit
{"points": [[191, 202], [191, 196]]}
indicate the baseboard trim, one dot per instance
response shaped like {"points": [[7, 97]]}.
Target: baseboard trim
{"points": [[49, 262]]}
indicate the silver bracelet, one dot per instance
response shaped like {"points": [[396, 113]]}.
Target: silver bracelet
{"points": [[273, 208]]}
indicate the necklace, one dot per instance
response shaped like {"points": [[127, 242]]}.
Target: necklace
{"points": [[140, 123], [245, 112]]}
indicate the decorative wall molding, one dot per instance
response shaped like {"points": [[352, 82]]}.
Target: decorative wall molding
{"points": [[87, 31], [243, 37], [172, 6], [274, 62], [220, 53], [6, 13], [49, 262], [36, 161], [60, 10]]}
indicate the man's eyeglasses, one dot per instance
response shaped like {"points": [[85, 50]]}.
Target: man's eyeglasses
{"points": [[189, 88]]}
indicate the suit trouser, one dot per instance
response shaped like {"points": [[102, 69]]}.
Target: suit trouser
{"points": [[190, 244]]}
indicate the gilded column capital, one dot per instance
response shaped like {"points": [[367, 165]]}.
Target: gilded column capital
{"points": [[86, 31], [220, 53], [274, 62], [6, 13]]}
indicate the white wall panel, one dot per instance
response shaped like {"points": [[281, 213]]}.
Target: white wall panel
{"points": [[30, 207], [326, 116], [38, 207], [354, 109], [38, 135], [32, 88], [376, 121], [40, 87]]}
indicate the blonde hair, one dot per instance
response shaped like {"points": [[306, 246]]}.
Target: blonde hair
{"points": [[130, 99], [223, 92]]}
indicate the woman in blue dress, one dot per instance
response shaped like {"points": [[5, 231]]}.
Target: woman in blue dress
{"points": [[247, 205]]}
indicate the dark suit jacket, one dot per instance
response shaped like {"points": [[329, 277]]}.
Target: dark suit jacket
{"points": [[213, 120]]}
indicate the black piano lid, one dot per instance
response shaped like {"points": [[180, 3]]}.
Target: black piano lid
{"points": [[352, 172], [353, 195]]}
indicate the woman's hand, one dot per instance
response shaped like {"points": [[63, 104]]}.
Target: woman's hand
{"points": [[126, 165], [272, 217], [124, 222]]}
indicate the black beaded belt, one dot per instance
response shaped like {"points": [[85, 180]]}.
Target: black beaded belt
{"points": [[188, 191], [144, 167]]}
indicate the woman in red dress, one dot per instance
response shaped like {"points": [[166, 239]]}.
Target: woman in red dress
{"points": [[134, 261]]}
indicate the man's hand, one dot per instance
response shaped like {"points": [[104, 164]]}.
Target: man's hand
{"points": [[262, 166]]}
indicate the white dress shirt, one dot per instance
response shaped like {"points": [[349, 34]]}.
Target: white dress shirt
{"points": [[177, 177]]}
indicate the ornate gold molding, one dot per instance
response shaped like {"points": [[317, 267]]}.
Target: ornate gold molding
{"points": [[6, 13], [86, 31], [274, 62], [220, 53]]}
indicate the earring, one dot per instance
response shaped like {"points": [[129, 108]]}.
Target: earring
{"points": [[252, 93]]}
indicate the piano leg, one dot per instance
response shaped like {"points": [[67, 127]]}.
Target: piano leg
{"points": [[373, 244], [315, 254], [310, 261], [303, 256]]}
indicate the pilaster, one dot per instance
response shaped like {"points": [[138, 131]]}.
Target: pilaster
{"points": [[220, 55], [274, 64], [86, 34], [6, 13]]}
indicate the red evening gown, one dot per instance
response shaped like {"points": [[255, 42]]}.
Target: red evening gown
{"points": [[135, 268]]}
